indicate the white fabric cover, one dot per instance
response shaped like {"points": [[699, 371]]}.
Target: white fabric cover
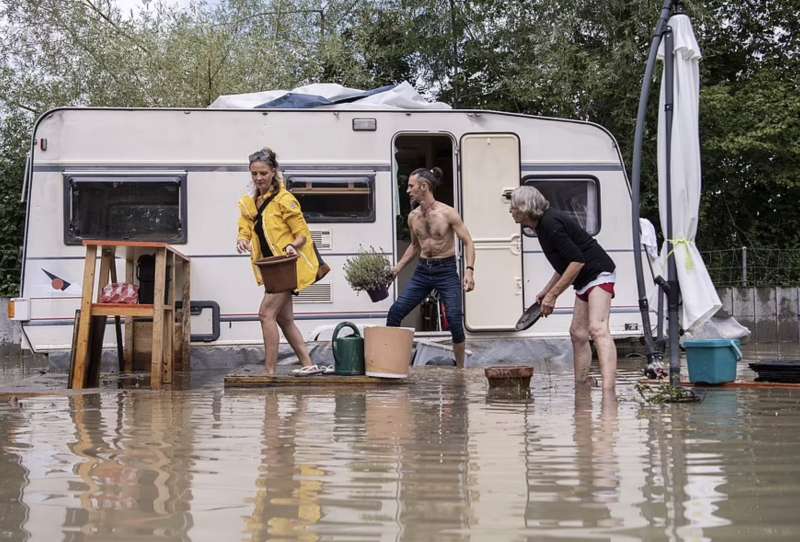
{"points": [[402, 96], [700, 299], [647, 233]]}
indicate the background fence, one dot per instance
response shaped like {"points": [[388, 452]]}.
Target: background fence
{"points": [[753, 267]]}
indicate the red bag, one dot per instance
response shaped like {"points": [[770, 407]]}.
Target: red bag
{"points": [[120, 292]]}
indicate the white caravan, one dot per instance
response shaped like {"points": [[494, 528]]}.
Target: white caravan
{"points": [[176, 176]]}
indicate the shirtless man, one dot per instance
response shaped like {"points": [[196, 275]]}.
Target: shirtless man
{"points": [[433, 227]]}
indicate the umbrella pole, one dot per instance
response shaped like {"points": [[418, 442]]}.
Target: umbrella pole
{"points": [[653, 353], [673, 288]]}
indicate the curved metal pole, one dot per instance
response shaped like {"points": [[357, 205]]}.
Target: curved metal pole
{"points": [[653, 354]]}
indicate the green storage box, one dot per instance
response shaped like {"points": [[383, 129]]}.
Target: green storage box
{"points": [[712, 361]]}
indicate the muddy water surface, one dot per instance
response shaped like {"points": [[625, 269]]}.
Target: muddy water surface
{"points": [[438, 459]]}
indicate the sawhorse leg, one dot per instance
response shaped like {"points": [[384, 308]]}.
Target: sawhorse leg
{"points": [[158, 319], [85, 322]]}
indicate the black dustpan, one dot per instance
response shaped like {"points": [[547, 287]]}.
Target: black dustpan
{"points": [[529, 317]]}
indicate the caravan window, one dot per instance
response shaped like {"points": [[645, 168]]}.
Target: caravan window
{"points": [[334, 198], [131, 207], [578, 196]]}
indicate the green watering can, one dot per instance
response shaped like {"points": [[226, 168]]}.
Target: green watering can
{"points": [[348, 351]]}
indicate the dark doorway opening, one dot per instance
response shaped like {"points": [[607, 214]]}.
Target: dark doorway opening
{"points": [[412, 151]]}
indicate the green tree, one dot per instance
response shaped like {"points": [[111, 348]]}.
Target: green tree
{"points": [[14, 129]]}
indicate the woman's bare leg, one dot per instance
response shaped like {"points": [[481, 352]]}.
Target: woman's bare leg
{"points": [[581, 349], [599, 309], [292, 333], [268, 314]]}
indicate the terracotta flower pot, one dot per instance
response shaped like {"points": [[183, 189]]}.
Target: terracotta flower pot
{"points": [[387, 351], [509, 377], [279, 273]]}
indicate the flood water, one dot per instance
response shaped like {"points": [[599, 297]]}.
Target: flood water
{"points": [[436, 459]]}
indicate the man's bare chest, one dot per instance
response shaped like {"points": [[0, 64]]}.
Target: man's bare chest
{"points": [[431, 226]]}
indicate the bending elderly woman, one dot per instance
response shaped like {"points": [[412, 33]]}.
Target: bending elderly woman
{"points": [[272, 224], [579, 261]]}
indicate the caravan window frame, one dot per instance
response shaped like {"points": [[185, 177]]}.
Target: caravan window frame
{"points": [[530, 180], [179, 178], [362, 177]]}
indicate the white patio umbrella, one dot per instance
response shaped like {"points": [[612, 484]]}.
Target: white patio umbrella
{"points": [[700, 299]]}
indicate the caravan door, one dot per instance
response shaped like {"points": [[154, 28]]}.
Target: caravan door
{"points": [[490, 169]]}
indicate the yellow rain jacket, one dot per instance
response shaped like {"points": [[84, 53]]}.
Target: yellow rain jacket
{"points": [[283, 221]]}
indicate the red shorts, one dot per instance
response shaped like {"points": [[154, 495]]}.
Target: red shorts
{"points": [[607, 286]]}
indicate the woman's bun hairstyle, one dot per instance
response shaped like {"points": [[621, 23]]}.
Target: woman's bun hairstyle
{"points": [[265, 155]]}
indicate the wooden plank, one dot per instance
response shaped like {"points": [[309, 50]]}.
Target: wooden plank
{"points": [[157, 356], [748, 385], [142, 338], [168, 363], [740, 384], [136, 244], [178, 253], [261, 380], [112, 243], [183, 329], [187, 315], [122, 309], [82, 348]]}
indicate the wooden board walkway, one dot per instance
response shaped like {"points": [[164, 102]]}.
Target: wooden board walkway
{"points": [[739, 384], [257, 379]]}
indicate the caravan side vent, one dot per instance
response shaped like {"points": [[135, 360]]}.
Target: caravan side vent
{"points": [[321, 238], [316, 293]]}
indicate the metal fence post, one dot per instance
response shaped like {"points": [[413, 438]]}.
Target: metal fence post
{"points": [[744, 266]]}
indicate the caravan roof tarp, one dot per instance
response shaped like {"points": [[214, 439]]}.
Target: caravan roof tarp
{"points": [[330, 96]]}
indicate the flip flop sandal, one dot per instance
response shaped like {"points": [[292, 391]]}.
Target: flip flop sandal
{"points": [[327, 369], [308, 370]]}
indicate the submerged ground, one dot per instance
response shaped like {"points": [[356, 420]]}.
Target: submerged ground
{"points": [[437, 459]]}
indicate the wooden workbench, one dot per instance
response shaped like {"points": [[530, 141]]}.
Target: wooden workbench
{"points": [[164, 310]]}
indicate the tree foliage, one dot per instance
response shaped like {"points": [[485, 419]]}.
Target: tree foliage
{"points": [[579, 59], [13, 142]]}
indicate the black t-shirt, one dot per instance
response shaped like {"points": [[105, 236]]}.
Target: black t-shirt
{"points": [[259, 229], [563, 241]]}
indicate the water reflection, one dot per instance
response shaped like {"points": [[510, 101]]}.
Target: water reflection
{"points": [[576, 482], [434, 467], [132, 482], [287, 498], [13, 510], [437, 459]]}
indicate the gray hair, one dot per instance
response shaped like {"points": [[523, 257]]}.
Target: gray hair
{"points": [[530, 201]]}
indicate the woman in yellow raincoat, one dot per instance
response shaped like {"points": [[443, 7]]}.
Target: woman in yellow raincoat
{"points": [[272, 224]]}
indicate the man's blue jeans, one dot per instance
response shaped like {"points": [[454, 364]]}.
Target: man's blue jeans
{"points": [[439, 274]]}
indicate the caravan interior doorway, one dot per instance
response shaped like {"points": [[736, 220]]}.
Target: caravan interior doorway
{"points": [[412, 151]]}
